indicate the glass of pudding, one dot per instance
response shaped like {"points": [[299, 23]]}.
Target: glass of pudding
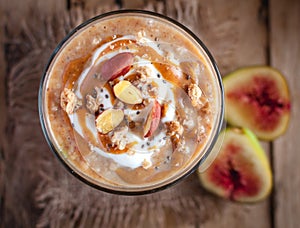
{"points": [[131, 102]]}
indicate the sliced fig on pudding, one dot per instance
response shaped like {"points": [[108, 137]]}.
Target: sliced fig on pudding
{"points": [[116, 66], [241, 171], [152, 120], [257, 98]]}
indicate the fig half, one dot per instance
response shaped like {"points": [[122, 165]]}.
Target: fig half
{"points": [[257, 98], [241, 171]]}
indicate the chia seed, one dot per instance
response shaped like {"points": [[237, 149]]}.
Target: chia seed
{"points": [[138, 112], [106, 96], [158, 75]]}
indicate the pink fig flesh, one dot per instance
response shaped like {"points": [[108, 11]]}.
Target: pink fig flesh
{"points": [[236, 177], [153, 120], [263, 97], [116, 66], [258, 98], [241, 171]]}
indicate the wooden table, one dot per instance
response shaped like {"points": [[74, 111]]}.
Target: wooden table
{"points": [[238, 33]]}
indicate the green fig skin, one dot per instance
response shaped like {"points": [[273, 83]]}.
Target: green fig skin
{"points": [[258, 98], [241, 171]]}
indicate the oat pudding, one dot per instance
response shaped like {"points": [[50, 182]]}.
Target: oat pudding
{"points": [[131, 102]]}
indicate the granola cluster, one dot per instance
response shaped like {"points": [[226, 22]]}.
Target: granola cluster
{"points": [[69, 101]]}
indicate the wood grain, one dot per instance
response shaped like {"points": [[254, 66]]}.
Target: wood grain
{"points": [[91, 4], [129, 4], [285, 55], [16, 11]]}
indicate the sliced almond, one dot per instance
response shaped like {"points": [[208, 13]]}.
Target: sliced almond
{"points": [[109, 120], [153, 119], [128, 93]]}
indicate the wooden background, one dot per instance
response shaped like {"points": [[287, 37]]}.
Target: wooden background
{"points": [[238, 33]]}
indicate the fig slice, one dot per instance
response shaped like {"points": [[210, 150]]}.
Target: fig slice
{"points": [[257, 98], [116, 66], [241, 171], [152, 120]]}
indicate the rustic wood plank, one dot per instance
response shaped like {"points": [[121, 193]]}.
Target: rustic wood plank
{"points": [[91, 4], [142, 4], [17, 10], [236, 35], [2, 118], [133, 4], [112, 4], [285, 55], [91, 8]]}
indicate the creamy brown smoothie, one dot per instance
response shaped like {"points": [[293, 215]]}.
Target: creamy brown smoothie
{"points": [[131, 102]]}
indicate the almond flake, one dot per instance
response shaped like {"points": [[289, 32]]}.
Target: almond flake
{"points": [[109, 120], [127, 93]]}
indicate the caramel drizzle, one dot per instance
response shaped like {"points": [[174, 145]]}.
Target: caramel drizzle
{"points": [[108, 146]]}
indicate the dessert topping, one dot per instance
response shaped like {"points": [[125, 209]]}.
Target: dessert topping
{"points": [[127, 93], [119, 137], [69, 101], [194, 93], [109, 120], [153, 120]]}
